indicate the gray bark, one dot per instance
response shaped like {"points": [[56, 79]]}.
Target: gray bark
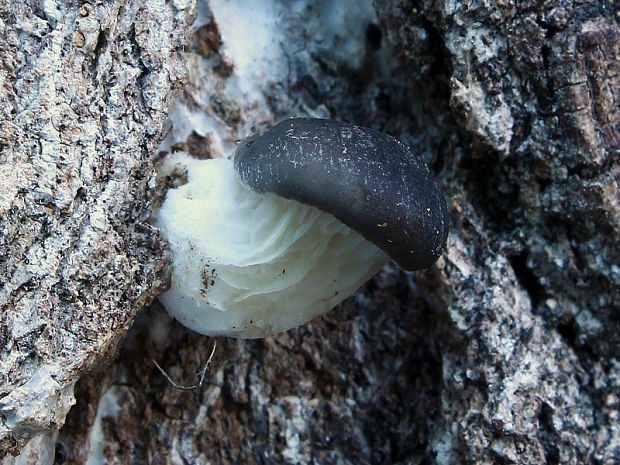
{"points": [[85, 89], [506, 351]]}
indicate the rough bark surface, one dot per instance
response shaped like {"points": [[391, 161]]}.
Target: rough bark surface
{"points": [[506, 351], [84, 92]]}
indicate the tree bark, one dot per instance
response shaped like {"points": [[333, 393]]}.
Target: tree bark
{"points": [[85, 90], [506, 351]]}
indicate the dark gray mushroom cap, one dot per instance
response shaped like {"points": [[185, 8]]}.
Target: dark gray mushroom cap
{"points": [[365, 178]]}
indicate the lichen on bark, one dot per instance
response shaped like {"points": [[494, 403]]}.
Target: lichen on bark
{"points": [[504, 352], [84, 92]]}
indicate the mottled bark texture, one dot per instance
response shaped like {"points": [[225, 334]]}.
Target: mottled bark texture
{"points": [[84, 91], [535, 377], [504, 352]]}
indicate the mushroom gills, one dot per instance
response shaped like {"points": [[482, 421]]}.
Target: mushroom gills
{"points": [[251, 265]]}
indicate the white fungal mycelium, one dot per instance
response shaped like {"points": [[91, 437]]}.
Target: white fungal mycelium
{"points": [[250, 265]]}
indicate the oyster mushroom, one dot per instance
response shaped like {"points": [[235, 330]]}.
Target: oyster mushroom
{"points": [[304, 215]]}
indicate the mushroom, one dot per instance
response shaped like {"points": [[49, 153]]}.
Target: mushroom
{"points": [[304, 215]]}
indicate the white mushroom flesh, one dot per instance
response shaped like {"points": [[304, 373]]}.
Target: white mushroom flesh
{"points": [[251, 265]]}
